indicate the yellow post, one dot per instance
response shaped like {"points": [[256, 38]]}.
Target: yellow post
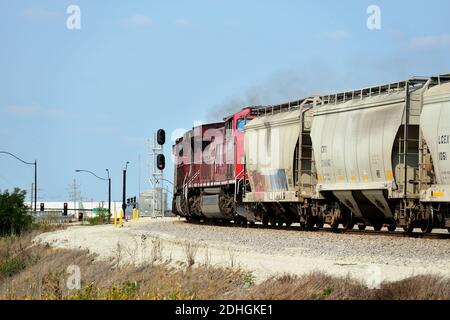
{"points": [[115, 218], [137, 214], [121, 218]]}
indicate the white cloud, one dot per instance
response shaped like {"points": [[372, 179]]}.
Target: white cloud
{"points": [[139, 20], [430, 41], [337, 35], [39, 13]]}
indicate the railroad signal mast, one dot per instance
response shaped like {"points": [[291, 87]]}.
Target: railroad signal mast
{"points": [[159, 164]]}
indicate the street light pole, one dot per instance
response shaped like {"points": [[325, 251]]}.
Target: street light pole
{"points": [[124, 205], [35, 186], [35, 174], [109, 196]]}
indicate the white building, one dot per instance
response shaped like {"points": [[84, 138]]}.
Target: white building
{"points": [[74, 208]]}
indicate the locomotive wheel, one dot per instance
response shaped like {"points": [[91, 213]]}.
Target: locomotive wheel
{"points": [[241, 221], [361, 226], [377, 226]]}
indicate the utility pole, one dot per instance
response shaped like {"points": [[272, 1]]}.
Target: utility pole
{"points": [[74, 194], [35, 186], [32, 195]]}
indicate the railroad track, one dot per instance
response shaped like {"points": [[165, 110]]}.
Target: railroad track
{"points": [[400, 234]]}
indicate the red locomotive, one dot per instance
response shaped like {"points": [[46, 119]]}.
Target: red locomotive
{"points": [[209, 168]]}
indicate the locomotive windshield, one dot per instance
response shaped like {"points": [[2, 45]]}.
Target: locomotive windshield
{"points": [[240, 125]]}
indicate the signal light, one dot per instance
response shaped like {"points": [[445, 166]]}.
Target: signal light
{"points": [[65, 209], [42, 206], [161, 137], [160, 161]]}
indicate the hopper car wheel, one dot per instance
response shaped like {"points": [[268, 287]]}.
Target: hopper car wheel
{"points": [[349, 226], [319, 224], [265, 221], [377, 226], [392, 227], [349, 221], [408, 228], [288, 224], [335, 226], [427, 225], [272, 221], [309, 225], [361, 226]]}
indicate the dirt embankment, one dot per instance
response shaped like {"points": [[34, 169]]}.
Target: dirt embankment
{"points": [[263, 252]]}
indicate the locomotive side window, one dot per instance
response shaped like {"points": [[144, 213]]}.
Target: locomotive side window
{"points": [[229, 125], [240, 125]]}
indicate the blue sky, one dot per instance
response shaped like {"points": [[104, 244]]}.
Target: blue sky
{"points": [[91, 98]]}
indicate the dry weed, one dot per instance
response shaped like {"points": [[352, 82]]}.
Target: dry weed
{"points": [[190, 251]]}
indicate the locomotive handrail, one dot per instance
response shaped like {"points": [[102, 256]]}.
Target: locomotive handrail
{"points": [[236, 186]]}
